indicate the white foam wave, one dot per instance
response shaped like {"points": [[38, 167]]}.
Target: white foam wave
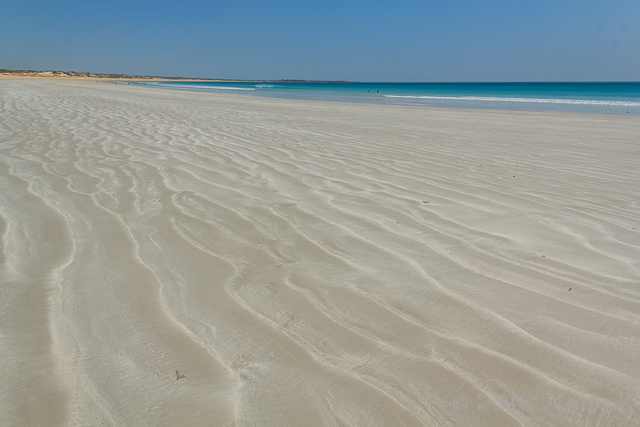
{"points": [[197, 87], [524, 100]]}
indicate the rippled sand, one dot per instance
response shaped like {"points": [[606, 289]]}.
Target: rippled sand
{"points": [[308, 263]]}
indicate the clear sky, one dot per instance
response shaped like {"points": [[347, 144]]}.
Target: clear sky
{"points": [[375, 40]]}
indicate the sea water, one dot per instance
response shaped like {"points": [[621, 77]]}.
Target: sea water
{"points": [[598, 97]]}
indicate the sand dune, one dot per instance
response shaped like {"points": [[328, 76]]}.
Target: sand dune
{"points": [[311, 263]]}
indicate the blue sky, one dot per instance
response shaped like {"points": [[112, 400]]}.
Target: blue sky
{"points": [[455, 40]]}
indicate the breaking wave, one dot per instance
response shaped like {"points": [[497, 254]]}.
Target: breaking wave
{"points": [[523, 100]]}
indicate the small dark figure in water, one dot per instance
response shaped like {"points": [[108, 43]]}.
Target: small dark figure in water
{"points": [[378, 91]]}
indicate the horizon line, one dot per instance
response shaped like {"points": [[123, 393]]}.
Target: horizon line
{"points": [[90, 74]]}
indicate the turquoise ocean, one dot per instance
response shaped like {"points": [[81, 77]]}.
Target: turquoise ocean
{"points": [[597, 97]]}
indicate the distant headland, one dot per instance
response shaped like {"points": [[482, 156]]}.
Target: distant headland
{"points": [[88, 75]]}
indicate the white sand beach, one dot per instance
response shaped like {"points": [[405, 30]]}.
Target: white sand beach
{"points": [[174, 258]]}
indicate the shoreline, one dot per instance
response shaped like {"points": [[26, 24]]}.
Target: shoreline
{"points": [[468, 102], [356, 94], [409, 106], [68, 75], [450, 109], [104, 79]]}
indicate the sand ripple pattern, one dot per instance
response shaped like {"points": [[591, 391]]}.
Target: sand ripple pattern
{"points": [[172, 258]]}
